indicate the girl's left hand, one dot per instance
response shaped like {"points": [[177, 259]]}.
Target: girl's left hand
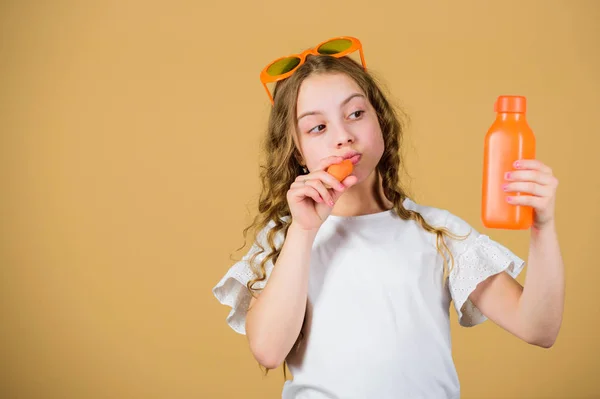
{"points": [[536, 180]]}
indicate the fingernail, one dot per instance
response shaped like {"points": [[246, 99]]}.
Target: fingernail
{"points": [[507, 175], [331, 203], [504, 187], [517, 164], [509, 199]]}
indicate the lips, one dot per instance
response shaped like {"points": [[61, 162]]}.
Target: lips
{"points": [[353, 156], [355, 159]]}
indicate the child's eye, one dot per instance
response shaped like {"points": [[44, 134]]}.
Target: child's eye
{"points": [[359, 112], [317, 127]]}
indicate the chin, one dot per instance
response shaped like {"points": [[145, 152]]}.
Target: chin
{"points": [[361, 174]]}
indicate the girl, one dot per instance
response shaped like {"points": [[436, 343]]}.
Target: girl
{"points": [[350, 282]]}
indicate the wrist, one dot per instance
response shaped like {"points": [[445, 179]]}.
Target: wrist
{"points": [[301, 231], [547, 227]]}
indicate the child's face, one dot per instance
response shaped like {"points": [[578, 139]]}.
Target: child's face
{"points": [[344, 121]]}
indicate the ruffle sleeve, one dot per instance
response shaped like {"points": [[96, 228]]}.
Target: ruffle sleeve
{"points": [[232, 289], [475, 259]]}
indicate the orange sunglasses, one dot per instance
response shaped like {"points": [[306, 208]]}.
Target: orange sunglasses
{"points": [[284, 67]]}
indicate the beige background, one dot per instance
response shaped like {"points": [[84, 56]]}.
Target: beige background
{"points": [[129, 136]]}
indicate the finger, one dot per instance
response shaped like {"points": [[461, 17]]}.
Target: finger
{"points": [[323, 192], [350, 181], [530, 176], [528, 188], [298, 184], [532, 164], [306, 191], [526, 200], [330, 181], [326, 178], [347, 182]]}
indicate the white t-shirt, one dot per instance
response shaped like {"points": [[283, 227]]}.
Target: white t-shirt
{"points": [[377, 322]]}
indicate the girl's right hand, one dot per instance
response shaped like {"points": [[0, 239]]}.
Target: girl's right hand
{"points": [[310, 201]]}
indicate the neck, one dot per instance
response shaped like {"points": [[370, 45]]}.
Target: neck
{"points": [[363, 198]]}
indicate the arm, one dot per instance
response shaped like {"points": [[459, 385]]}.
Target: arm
{"points": [[275, 318], [533, 312]]}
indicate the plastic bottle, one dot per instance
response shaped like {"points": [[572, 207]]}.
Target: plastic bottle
{"points": [[509, 139]]}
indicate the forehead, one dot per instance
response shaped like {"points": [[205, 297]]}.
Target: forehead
{"points": [[325, 91]]}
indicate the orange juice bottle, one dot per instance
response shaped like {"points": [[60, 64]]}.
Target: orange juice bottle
{"points": [[509, 139]]}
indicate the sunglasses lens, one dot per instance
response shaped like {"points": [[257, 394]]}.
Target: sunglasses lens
{"points": [[335, 46], [283, 66]]}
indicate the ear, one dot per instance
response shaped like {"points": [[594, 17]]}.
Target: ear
{"points": [[299, 158]]}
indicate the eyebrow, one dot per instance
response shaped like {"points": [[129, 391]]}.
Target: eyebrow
{"points": [[346, 101]]}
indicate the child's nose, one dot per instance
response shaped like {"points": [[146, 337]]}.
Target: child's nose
{"points": [[343, 142], [343, 137]]}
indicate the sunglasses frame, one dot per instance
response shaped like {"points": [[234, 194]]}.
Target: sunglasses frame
{"points": [[355, 45]]}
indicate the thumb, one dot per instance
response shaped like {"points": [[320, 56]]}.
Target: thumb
{"points": [[350, 181], [347, 182]]}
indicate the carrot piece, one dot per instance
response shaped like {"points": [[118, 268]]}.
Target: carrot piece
{"points": [[341, 170]]}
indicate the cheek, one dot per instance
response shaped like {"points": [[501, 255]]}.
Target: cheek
{"points": [[373, 146], [374, 141], [313, 153]]}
